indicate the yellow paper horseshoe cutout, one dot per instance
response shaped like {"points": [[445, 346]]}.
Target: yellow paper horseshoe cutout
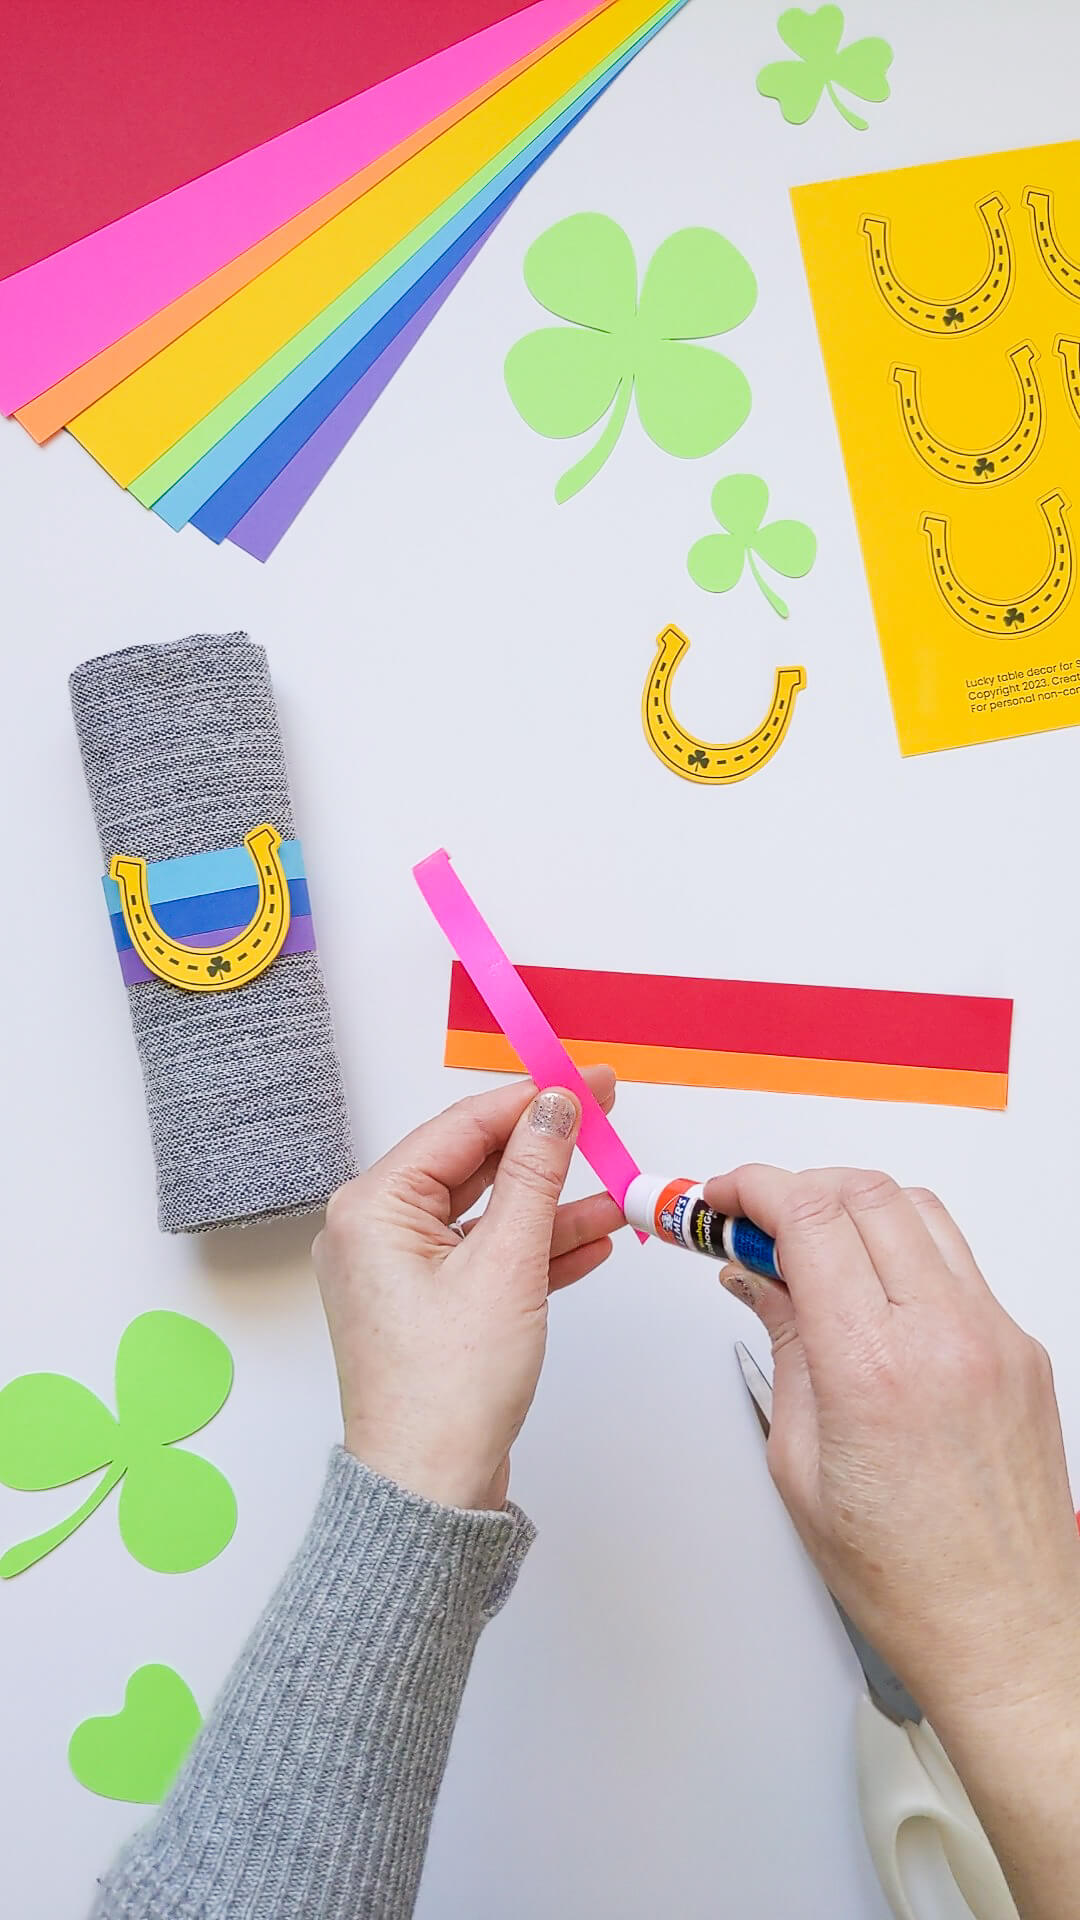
{"points": [[1063, 271], [967, 311], [205, 969], [1028, 610], [981, 466], [708, 763], [1068, 352]]}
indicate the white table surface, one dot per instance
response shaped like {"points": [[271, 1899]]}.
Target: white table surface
{"points": [[660, 1724]]}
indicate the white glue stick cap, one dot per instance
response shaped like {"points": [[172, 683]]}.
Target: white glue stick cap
{"points": [[641, 1196]]}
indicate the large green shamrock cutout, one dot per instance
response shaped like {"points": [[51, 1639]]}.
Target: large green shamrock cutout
{"points": [[563, 380], [136, 1754], [176, 1510], [822, 65], [740, 503]]}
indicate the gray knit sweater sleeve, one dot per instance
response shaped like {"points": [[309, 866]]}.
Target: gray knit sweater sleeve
{"points": [[311, 1787]]}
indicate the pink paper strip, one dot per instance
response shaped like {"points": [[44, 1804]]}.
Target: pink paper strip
{"points": [[59, 313], [529, 1032]]}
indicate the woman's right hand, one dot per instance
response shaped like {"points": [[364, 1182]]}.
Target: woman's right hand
{"points": [[917, 1446]]}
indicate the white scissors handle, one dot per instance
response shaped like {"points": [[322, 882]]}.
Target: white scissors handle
{"points": [[905, 1774]]}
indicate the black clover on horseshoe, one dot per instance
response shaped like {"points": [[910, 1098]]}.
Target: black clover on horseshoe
{"points": [[699, 758], [218, 966], [954, 317], [1014, 617], [983, 465]]}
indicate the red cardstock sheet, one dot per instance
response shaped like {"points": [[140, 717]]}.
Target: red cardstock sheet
{"points": [[110, 103]]}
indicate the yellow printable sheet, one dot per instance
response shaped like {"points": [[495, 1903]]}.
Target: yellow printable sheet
{"points": [[947, 300]]}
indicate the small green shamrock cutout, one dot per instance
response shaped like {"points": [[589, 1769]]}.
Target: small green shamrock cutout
{"points": [[136, 1754], [564, 380], [822, 64], [219, 964], [740, 503], [176, 1510]]}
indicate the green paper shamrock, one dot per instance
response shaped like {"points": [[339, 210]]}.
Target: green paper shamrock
{"points": [[563, 380], [740, 503], [823, 64], [136, 1754], [176, 1510]]}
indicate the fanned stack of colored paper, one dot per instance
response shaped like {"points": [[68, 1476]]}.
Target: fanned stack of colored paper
{"points": [[321, 180]]}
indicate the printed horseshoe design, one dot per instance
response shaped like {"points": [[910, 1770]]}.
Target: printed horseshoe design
{"points": [[1068, 352], [967, 312], [1028, 611], [982, 466], [205, 969], [1064, 272], [709, 763]]}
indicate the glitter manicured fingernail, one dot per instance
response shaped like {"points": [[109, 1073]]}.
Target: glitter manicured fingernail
{"points": [[553, 1113]]}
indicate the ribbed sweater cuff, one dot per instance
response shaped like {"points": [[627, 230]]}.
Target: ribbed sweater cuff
{"points": [[476, 1555], [311, 1787]]}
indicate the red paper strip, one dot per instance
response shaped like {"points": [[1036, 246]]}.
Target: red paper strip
{"points": [[109, 103], [953, 1031]]}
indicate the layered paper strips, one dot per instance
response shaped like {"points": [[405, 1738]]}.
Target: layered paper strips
{"points": [[215, 345], [55, 316], [138, 100], [206, 899], [856, 1043]]}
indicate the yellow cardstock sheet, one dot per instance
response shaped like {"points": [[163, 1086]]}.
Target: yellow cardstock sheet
{"points": [[947, 300]]}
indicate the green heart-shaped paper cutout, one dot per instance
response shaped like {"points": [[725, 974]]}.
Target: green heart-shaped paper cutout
{"points": [[136, 1754]]}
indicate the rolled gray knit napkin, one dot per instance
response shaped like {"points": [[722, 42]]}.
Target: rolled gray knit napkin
{"points": [[183, 756]]}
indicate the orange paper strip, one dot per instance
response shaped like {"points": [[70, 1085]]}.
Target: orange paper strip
{"points": [[749, 1072]]}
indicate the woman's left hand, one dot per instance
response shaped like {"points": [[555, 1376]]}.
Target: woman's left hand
{"points": [[439, 1339]]}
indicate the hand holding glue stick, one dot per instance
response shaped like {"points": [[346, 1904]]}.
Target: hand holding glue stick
{"points": [[678, 1212]]}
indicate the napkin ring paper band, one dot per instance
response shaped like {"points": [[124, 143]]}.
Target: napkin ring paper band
{"points": [[209, 922]]}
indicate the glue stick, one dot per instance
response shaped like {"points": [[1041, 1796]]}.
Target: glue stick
{"points": [[677, 1211]]}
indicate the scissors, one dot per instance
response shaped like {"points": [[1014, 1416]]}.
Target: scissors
{"points": [[902, 1769]]}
